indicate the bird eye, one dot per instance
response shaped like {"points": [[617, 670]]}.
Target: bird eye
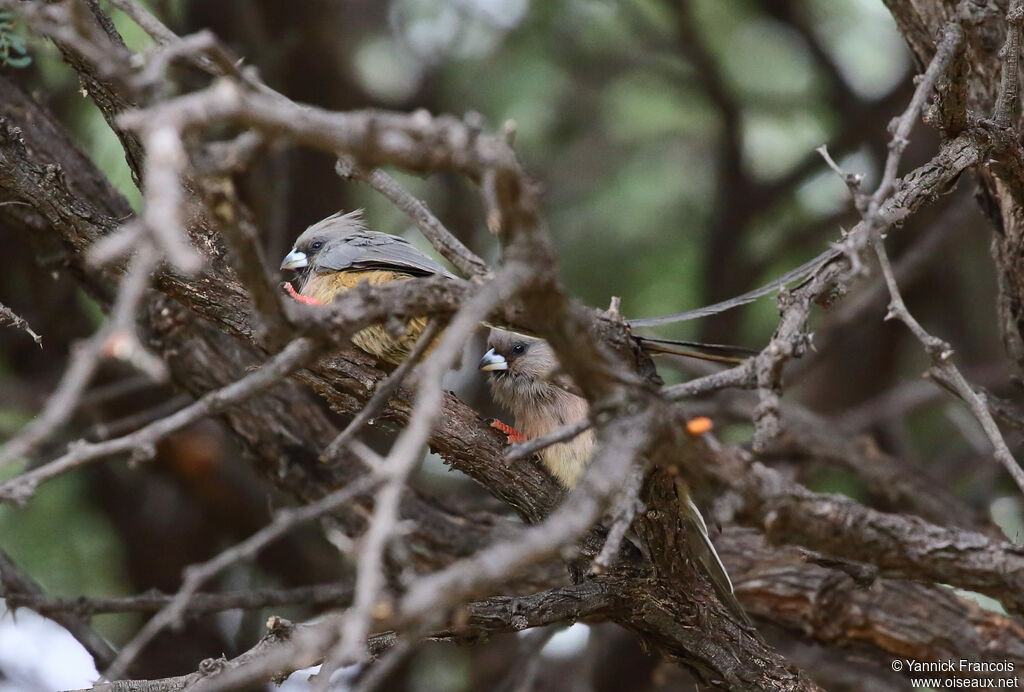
{"points": [[316, 245], [518, 349]]}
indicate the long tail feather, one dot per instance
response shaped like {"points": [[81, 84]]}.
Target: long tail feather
{"points": [[708, 556], [701, 345], [689, 349]]}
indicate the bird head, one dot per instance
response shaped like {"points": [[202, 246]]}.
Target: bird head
{"points": [[318, 240], [513, 356]]}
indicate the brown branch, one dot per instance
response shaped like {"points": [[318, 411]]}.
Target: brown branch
{"points": [[141, 443], [892, 618], [1007, 103], [901, 546], [383, 391]]}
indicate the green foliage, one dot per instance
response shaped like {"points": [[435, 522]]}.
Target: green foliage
{"points": [[13, 51], [65, 542]]}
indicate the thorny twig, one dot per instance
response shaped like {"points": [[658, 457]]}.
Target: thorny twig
{"points": [[944, 370]]}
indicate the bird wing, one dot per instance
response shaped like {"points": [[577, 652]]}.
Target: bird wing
{"points": [[373, 250]]}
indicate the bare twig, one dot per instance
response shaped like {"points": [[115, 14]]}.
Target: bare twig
{"points": [[567, 432], [523, 674], [141, 443], [1007, 101], [620, 444], [199, 603], [938, 350], [944, 52], [385, 388], [115, 338], [196, 575], [8, 318], [450, 247], [247, 260], [944, 370], [379, 671], [626, 507], [792, 276], [19, 584], [163, 215], [407, 450], [146, 20]]}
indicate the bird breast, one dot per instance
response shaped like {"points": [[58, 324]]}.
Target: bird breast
{"points": [[539, 409], [375, 339]]}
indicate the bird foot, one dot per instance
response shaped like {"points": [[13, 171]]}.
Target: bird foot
{"points": [[513, 435], [307, 300]]}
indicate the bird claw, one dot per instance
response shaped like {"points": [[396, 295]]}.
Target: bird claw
{"points": [[306, 300], [513, 436]]}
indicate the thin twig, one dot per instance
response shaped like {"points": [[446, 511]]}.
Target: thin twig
{"points": [[116, 337], [157, 30], [952, 36], [247, 260], [141, 443], [944, 370], [524, 670], [379, 671], [196, 575], [385, 388], [163, 214], [450, 247], [200, 603], [9, 318], [620, 444], [626, 507], [407, 451]]}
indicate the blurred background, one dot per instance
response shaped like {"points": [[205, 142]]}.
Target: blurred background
{"points": [[675, 143]]}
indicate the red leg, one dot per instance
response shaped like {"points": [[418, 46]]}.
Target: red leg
{"points": [[290, 290], [514, 435]]}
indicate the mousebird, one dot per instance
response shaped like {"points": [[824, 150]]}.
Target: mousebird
{"points": [[335, 254], [523, 377]]}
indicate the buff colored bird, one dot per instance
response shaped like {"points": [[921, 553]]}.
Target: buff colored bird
{"points": [[524, 379], [336, 254]]}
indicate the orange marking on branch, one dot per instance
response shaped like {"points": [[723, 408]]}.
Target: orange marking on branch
{"points": [[699, 426]]}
